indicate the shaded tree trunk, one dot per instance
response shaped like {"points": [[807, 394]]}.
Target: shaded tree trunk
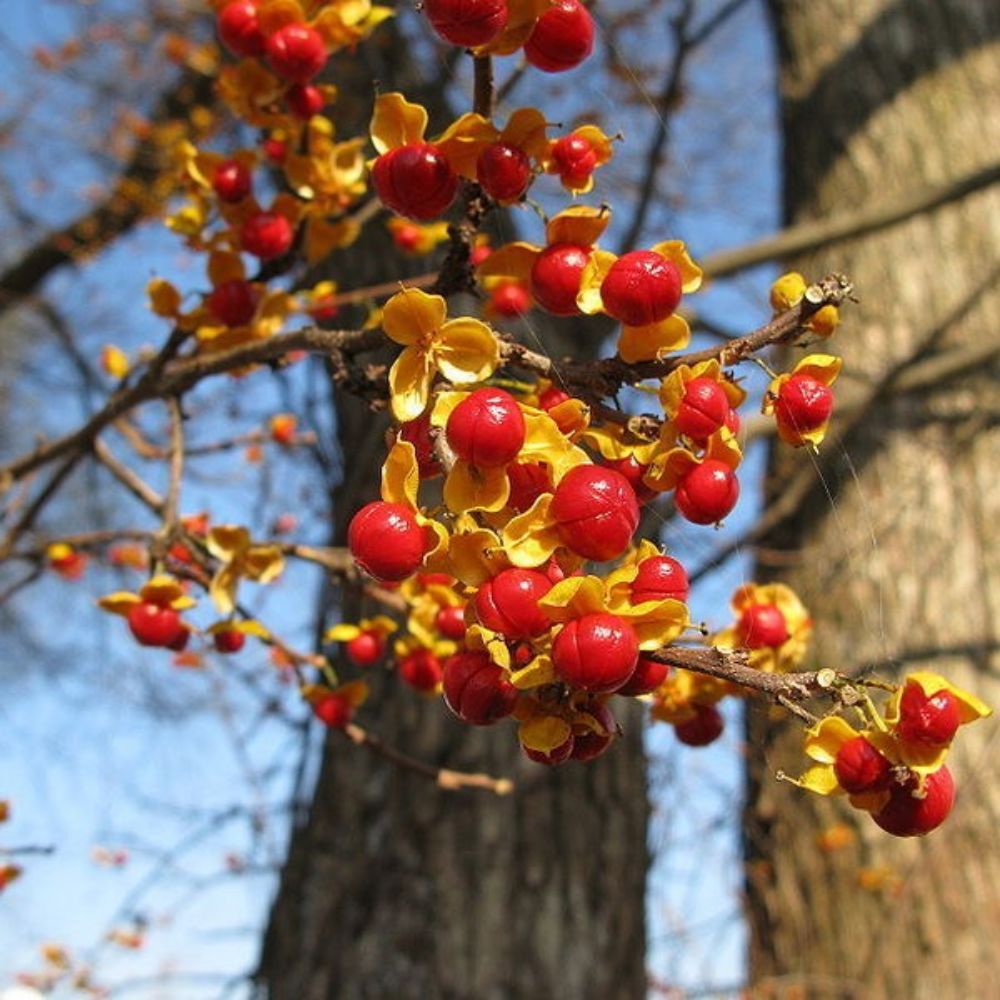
{"points": [[901, 569], [396, 888]]}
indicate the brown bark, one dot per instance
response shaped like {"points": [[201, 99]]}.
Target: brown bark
{"points": [[901, 568], [394, 887]]}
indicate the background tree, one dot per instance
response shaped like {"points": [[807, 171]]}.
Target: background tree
{"points": [[892, 537]]}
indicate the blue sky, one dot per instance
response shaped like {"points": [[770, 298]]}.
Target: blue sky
{"points": [[104, 745]]}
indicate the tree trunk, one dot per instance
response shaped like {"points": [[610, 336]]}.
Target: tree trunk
{"points": [[396, 888], [900, 570]]}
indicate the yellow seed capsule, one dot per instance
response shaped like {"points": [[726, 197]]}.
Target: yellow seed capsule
{"points": [[787, 291]]}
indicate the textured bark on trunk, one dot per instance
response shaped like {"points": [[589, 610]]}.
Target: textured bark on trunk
{"points": [[902, 569], [396, 888]]}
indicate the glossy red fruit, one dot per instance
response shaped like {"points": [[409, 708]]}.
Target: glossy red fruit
{"points": [[932, 720], [406, 236], [706, 727], [267, 235], [704, 409], [296, 53], [421, 669], [528, 481], [275, 150], [589, 745], [239, 28], [633, 470], [418, 433], [905, 815], [861, 768], [596, 512], [304, 100], [232, 182], [154, 625], [508, 603], [386, 540], [366, 649], [503, 171], [558, 755], [597, 652], [450, 621], [761, 626], [476, 689], [641, 287], [229, 640], [733, 422], [804, 403], [551, 398], [415, 180], [575, 159], [648, 676], [511, 299], [708, 492], [486, 429], [479, 253], [233, 302], [659, 578], [467, 22], [555, 277], [562, 38], [333, 710]]}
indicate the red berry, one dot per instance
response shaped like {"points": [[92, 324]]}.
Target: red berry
{"points": [[641, 287], [804, 403], [704, 409], [552, 397], [733, 422], [596, 512], [708, 492], [508, 603], [325, 309], [633, 470], [304, 100], [503, 171], [479, 253], [597, 652], [660, 578], [467, 22], [486, 429], [648, 676], [406, 236], [365, 649], [762, 626], [558, 755], [450, 621], [229, 640], [296, 52], [861, 768], [905, 815], [154, 625], [421, 669], [575, 158], [418, 433], [333, 710], [267, 235], [239, 28], [275, 150], [528, 481], [511, 299], [588, 745], [555, 277], [706, 727], [932, 719], [232, 182], [386, 540], [562, 38], [233, 303], [415, 180], [476, 689]]}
